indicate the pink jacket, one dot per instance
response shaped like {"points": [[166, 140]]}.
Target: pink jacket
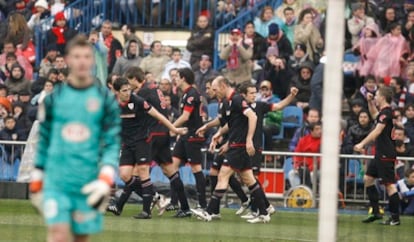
{"points": [[364, 45]]}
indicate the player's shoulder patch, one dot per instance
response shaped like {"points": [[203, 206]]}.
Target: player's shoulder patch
{"points": [[190, 100], [382, 117]]}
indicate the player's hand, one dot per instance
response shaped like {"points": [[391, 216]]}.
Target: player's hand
{"points": [[201, 131], [224, 148], [181, 131], [98, 191], [35, 187], [370, 96], [359, 148], [294, 91], [212, 147], [250, 148]]}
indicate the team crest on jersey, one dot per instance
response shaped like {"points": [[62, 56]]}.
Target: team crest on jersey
{"points": [[92, 105], [131, 106], [190, 100], [76, 132], [244, 104], [382, 117]]}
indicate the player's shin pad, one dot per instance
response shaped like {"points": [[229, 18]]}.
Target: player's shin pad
{"points": [[98, 191]]}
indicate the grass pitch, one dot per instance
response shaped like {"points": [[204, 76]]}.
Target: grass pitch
{"points": [[19, 223]]}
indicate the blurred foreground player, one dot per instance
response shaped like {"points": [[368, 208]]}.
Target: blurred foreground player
{"points": [[77, 151]]}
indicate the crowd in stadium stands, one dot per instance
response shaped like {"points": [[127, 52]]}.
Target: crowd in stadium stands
{"points": [[278, 49]]}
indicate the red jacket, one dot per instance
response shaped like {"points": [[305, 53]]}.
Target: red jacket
{"points": [[307, 144]]}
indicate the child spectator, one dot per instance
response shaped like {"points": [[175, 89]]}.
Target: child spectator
{"points": [[307, 33], [358, 22], [20, 115], [266, 18], [370, 36], [12, 133], [369, 86], [16, 82], [388, 53], [201, 41], [10, 47], [405, 189], [60, 34]]}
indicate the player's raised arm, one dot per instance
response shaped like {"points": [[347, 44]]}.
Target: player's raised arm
{"points": [[289, 99], [371, 106]]}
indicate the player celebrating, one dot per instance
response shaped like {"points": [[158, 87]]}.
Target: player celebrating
{"points": [[135, 148], [77, 151], [188, 147], [382, 167], [238, 116], [159, 137]]}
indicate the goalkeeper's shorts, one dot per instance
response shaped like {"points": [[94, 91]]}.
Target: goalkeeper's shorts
{"points": [[67, 208]]}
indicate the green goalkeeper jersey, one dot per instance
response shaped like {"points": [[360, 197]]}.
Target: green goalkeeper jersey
{"points": [[78, 134]]}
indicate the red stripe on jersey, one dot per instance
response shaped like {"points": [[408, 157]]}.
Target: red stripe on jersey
{"points": [[188, 109], [235, 145], [195, 139]]}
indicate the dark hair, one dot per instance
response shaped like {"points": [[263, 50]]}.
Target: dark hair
{"points": [[410, 105], [315, 110], [135, 72], [79, 40], [119, 82], [210, 80], [109, 79], [53, 71], [248, 22], [369, 77], [288, 9], [365, 111], [153, 43], [59, 56], [303, 13], [313, 125], [400, 82], [11, 54], [398, 127], [8, 41], [387, 93], [393, 26], [176, 50], [9, 117], [53, 84], [93, 32], [132, 41], [187, 74], [131, 28], [399, 143], [408, 172], [64, 71], [2, 86], [244, 87]]}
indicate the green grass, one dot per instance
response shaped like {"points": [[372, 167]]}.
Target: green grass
{"points": [[19, 222]]}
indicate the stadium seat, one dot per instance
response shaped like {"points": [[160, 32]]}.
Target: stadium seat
{"points": [[292, 118], [287, 167], [187, 176], [8, 172], [212, 110], [350, 64], [354, 174]]}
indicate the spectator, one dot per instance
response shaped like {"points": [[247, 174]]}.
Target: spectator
{"points": [[357, 105], [20, 7], [313, 116], [20, 114], [388, 53], [238, 57], [60, 34], [298, 58], [388, 19], [358, 21], [295, 5], [16, 82], [273, 120], [5, 70], [289, 24], [129, 58], [42, 13], [204, 73], [357, 132], [409, 124], [156, 61], [399, 134], [410, 81], [166, 88], [12, 133], [10, 47], [408, 24], [57, 7], [401, 95], [3, 91], [302, 83], [261, 24], [369, 86], [399, 118], [172, 112], [38, 85], [307, 33], [405, 188], [175, 63], [47, 63], [370, 37], [278, 41], [201, 41], [150, 80], [403, 150], [60, 63], [303, 167], [112, 43], [276, 71], [129, 33], [167, 50], [5, 110], [18, 31], [101, 53], [259, 43], [62, 75]]}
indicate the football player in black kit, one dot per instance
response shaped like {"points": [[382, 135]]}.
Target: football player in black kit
{"points": [[382, 167], [249, 91], [135, 114], [188, 147], [241, 124]]}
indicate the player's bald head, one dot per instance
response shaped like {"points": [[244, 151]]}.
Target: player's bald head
{"points": [[221, 81]]}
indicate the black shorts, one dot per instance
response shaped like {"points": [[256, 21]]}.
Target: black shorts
{"points": [[238, 159], [383, 169], [256, 162], [218, 162], [160, 149], [131, 156], [188, 149]]}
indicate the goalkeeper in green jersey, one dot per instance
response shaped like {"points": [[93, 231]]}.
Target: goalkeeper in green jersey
{"points": [[78, 150]]}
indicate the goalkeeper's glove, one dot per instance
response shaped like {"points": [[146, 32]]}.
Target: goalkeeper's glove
{"points": [[98, 191], [35, 187]]}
